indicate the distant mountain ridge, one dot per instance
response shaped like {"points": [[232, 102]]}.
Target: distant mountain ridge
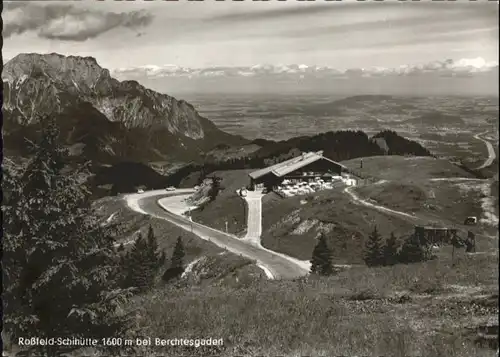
{"points": [[462, 66], [101, 113], [467, 76]]}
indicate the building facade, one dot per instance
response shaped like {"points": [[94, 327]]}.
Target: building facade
{"points": [[307, 167]]}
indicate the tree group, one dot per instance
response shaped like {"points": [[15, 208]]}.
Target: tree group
{"points": [[142, 263], [380, 252], [60, 270]]}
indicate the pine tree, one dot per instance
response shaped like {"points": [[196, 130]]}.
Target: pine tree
{"points": [[178, 255], [60, 267], [321, 261], [143, 262], [374, 249], [154, 259], [214, 190], [391, 250], [412, 250], [176, 262], [152, 247], [138, 273]]}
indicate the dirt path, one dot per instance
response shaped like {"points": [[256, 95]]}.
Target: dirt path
{"points": [[358, 200], [408, 217], [491, 151], [458, 179]]}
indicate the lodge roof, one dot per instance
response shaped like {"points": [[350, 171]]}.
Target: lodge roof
{"points": [[291, 165]]}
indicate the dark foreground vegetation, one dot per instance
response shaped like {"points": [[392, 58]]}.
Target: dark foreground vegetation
{"points": [[60, 270], [64, 276]]}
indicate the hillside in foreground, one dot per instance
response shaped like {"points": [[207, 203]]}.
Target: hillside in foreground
{"points": [[415, 310]]}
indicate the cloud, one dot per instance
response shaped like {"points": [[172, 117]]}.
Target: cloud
{"points": [[342, 8], [66, 22], [283, 12], [461, 67]]}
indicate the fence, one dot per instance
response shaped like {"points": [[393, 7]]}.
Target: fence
{"points": [[363, 179]]}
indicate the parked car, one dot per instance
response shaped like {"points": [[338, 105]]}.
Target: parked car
{"points": [[170, 188], [140, 190], [196, 188], [470, 221]]}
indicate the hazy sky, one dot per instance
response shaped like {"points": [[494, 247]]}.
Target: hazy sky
{"points": [[343, 34]]}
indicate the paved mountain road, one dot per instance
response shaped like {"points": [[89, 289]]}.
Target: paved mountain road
{"points": [[279, 265], [254, 217], [491, 151]]}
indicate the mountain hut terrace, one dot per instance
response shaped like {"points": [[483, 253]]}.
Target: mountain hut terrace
{"points": [[307, 167]]}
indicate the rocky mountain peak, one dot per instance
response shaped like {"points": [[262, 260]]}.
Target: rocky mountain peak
{"points": [[76, 89], [54, 66]]}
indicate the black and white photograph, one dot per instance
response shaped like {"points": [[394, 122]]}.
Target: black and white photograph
{"points": [[277, 178]]}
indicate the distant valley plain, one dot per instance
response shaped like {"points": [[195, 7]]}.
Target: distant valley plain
{"points": [[445, 125]]}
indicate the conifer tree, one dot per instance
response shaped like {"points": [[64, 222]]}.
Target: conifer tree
{"points": [[60, 267], [412, 251], [143, 262], [152, 248], [374, 249], [138, 272], [391, 250], [176, 262], [321, 261], [154, 258], [178, 255], [214, 190]]}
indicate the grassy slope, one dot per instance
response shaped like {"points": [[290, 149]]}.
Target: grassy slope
{"points": [[400, 168], [292, 228], [131, 223], [409, 189], [351, 222], [228, 206], [346, 223], [451, 201], [354, 313], [221, 265], [443, 202]]}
